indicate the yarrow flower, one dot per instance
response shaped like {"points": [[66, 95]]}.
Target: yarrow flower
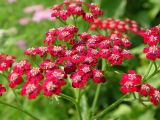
{"points": [[74, 8], [116, 24], [130, 81], [146, 90], [155, 97], [152, 39], [52, 86], [14, 79], [6, 61], [31, 88]]}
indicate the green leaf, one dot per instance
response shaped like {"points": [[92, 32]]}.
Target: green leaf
{"points": [[114, 9]]}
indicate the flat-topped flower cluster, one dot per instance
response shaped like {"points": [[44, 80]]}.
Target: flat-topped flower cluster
{"points": [[77, 58]]}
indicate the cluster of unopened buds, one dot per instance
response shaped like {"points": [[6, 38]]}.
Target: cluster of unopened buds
{"points": [[75, 8], [77, 58], [116, 24]]}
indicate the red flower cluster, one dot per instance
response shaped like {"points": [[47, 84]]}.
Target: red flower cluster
{"points": [[62, 33], [132, 82], [79, 59], [6, 62], [116, 24], [152, 38], [147, 90], [75, 8]]}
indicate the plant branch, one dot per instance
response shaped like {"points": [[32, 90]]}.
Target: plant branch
{"points": [[111, 106], [14, 107], [74, 102]]}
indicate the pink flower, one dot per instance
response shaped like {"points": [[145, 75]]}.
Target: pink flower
{"points": [[22, 44], [11, 1], [33, 8], [24, 21], [42, 15]]}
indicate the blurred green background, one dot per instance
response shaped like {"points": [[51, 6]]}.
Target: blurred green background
{"points": [[14, 38]]}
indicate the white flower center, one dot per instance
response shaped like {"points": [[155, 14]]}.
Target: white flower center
{"points": [[35, 71], [58, 75], [30, 88], [13, 77], [50, 86], [131, 76]]}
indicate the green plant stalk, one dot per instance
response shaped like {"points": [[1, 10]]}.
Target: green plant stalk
{"points": [[155, 65], [75, 20], [78, 95], [95, 99], [150, 66], [62, 21], [75, 24], [97, 92], [74, 102], [153, 74], [111, 106], [21, 110], [17, 100]]}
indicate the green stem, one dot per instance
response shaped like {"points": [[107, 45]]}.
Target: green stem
{"points": [[134, 96], [110, 107], [17, 100], [97, 92], [155, 65], [62, 21], [74, 102], [95, 99], [14, 107], [153, 74], [78, 95], [75, 20], [150, 66], [75, 24], [68, 98], [141, 101]]}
